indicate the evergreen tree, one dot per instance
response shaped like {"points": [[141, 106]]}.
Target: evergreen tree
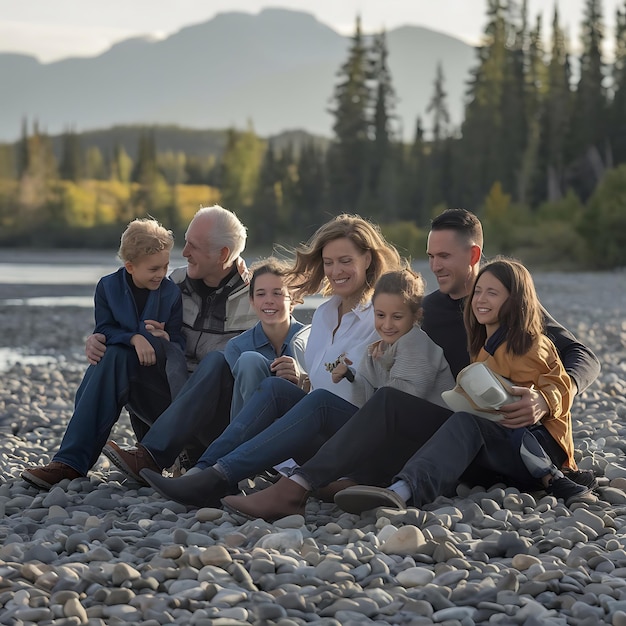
{"points": [[384, 154], [617, 118], [71, 161], [239, 171], [349, 154], [434, 176], [414, 179], [21, 150], [517, 92], [267, 198], [555, 120], [438, 106], [535, 93], [480, 159], [146, 168], [122, 164], [588, 129], [310, 190]]}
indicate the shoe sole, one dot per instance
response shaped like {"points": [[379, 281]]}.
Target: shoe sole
{"points": [[121, 465], [237, 513], [37, 482], [365, 498], [586, 497]]}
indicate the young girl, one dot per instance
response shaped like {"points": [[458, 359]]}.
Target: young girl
{"points": [[343, 260], [275, 346], [138, 291], [505, 331], [404, 357]]}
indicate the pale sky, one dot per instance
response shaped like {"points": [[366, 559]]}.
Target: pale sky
{"points": [[54, 29]]}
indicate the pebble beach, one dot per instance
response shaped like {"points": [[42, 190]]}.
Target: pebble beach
{"points": [[102, 550]]}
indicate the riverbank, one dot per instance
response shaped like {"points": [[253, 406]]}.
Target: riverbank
{"points": [[104, 551]]}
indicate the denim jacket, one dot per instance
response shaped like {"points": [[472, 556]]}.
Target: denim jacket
{"points": [[255, 340]]}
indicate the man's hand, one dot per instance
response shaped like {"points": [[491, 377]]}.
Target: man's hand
{"points": [[243, 270], [526, 411], [95, 347], [156, 329], [145, 351], [287, 368]]}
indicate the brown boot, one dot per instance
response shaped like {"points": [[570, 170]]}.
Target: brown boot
{"points": [[328, 493], [284, 498]]}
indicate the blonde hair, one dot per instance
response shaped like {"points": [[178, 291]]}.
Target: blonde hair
{"points": [[142, 237], [308, 269]]}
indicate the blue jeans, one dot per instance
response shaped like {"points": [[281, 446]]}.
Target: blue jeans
{"points": [[250, 369], [303, 426], [197, 416], [464, 442], [102, 394]]}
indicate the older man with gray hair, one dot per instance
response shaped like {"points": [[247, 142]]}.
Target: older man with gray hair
{"points": [[216, 307]]}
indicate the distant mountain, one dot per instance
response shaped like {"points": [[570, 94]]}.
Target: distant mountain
{"points": [[277, 69]]}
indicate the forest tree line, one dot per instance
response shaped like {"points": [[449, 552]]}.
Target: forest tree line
{"points": [[540, 156]]}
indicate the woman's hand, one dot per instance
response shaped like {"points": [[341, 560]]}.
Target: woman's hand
{"points": [[287, 368]]}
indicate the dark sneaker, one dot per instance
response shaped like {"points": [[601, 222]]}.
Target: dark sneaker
{"points": [[586, 478], [47, 476], [131, 460], [569, 491]]}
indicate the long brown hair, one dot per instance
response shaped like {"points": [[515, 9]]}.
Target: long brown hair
{"points": [[521, 313], [308, 269]]}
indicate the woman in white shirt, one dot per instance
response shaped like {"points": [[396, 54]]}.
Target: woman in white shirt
{"points": [[343, 260]]}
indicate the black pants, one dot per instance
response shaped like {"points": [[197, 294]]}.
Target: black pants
{"points": [[378, 439]]}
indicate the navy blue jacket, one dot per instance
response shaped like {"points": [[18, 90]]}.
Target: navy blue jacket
{"points": [[116, 312]]}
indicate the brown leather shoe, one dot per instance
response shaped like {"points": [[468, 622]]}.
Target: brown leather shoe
{"points": [[286, 497], [131, 460], [47, 476], [327, 493]]}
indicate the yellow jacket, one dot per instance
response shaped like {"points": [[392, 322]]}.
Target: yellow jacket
{"points": [[541, 368]]}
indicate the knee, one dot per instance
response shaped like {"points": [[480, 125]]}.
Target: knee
{"points": [[213, 361], [251, 364]]}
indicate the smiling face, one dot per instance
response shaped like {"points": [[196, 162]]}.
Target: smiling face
{"points": [[203, 262], [149, 271], [487, 300], [453, 261], [392, 317], [270, 300], [345, 267]]}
